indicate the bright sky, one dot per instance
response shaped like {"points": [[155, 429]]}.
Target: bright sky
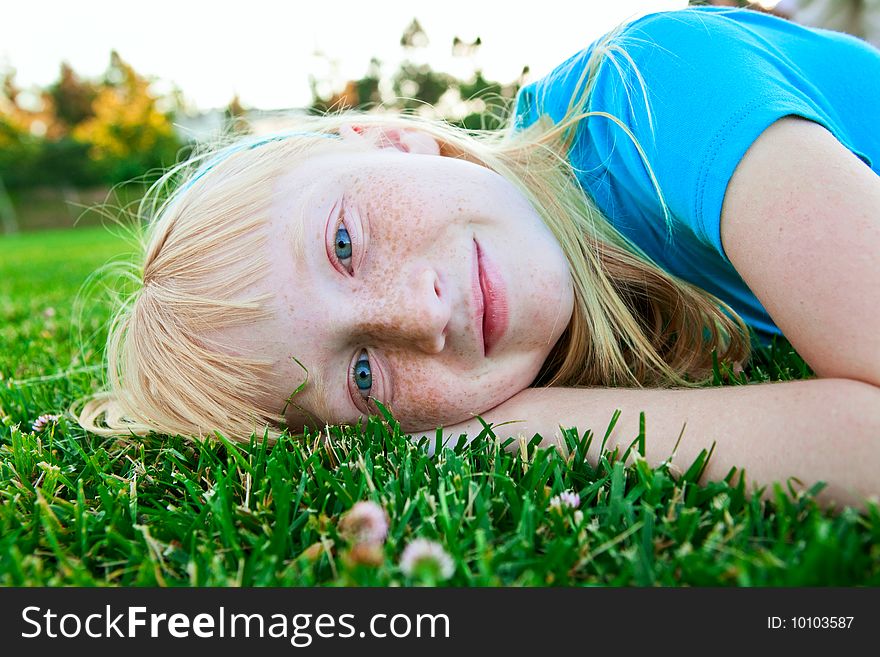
{"points": [[265, 50]]}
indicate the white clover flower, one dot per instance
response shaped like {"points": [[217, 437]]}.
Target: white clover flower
{"points": [[568, 499], [366, 522], [41, 422], [424, 555]]}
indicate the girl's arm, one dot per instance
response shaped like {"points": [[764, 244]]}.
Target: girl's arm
{"points": [[800, 223], [814, 430]]}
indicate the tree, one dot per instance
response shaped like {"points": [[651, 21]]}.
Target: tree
{"points": [[414, 36], [361, 94], [72, 97], [472, 103], [20, 138], [127, 134], [235, 115], [419, 84]]}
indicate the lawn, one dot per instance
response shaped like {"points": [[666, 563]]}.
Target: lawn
{"points": [[77, 509]]}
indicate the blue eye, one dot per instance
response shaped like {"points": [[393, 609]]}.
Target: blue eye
{"points": [[362, 374], [342, 245]]}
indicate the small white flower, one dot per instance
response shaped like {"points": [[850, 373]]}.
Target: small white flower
{"points": [[366, 522], [41, 422], [568, 499], [422, 554]]}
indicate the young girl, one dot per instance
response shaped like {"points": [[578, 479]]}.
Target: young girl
{"points": [[690, 177]]}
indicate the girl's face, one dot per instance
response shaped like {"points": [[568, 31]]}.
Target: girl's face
{"points": [[426, 282]]}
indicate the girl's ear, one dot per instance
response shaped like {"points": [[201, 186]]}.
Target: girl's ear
{"points": [[406, 140]]}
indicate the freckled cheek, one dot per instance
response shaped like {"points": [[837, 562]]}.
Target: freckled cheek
{"points": [[425, 399]]}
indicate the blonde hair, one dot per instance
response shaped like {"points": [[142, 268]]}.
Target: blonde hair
{"points": [[633, 323]]}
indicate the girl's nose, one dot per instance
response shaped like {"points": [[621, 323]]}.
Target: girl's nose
{"points": [[428, 314], [417, 312], [411, 312]]}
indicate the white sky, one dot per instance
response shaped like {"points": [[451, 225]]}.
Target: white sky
{"points": [[264, 50]]}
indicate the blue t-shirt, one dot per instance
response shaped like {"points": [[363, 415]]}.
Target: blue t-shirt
{"points": [[714, 79]]}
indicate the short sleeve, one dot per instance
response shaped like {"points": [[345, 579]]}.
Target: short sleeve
{"points": [[694, 90]]}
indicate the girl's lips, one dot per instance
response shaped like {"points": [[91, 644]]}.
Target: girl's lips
{"points": [[494, 298], [477, 299]]}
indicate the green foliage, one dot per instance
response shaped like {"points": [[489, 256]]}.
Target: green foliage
{"points": [[72, 97], [42, 162], [114, 129], [419, 84], [82, 510], [87, 132], [416, 86], [19, 152], [127, 135]]}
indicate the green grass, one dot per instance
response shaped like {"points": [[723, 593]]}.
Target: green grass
{"points": [[81, 510]]}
